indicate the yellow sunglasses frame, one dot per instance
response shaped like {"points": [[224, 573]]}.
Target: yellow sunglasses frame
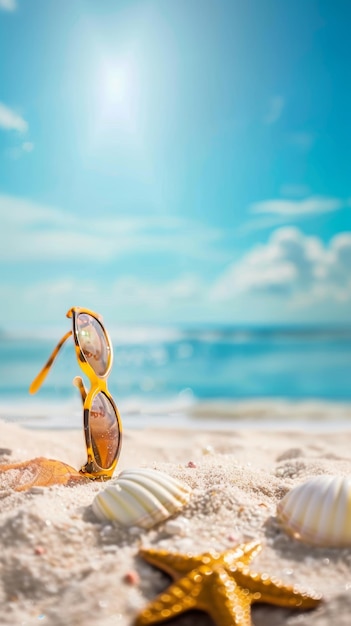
{"points": [[97, 384]]}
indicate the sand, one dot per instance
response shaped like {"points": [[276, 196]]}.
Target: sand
{"points": [[60, 566]]}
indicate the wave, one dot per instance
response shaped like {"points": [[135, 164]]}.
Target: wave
{"points": [[186, 412]]}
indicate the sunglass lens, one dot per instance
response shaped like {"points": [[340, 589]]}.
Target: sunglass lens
{"points": [[93, 343], [104, 429]]}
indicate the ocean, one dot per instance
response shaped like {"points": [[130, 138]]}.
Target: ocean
{"points": [[161, 375]]}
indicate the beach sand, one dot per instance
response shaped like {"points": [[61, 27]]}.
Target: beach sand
{"points": [[62, 567]]}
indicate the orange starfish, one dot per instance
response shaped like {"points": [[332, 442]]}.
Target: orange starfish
{"points": [[222, 585], [45, 472]]}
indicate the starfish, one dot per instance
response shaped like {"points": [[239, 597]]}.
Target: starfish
{"points": [[222, 585], [45, 472]]}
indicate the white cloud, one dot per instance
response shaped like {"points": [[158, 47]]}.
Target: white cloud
{"points": [[8, 5], [152, 295], [128, 299], [10, 120], [290, 277], [275, 110], [294, 266], [31, 231], [295, 208], [261, 222], [289, 273], [279, 211]]}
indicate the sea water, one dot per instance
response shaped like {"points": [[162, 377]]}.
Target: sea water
{"points": [[164, 371]]}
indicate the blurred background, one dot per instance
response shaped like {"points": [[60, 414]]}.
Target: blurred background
{"points": [[183, 168]]}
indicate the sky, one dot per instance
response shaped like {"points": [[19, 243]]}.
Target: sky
{"points": [[181, 162]]}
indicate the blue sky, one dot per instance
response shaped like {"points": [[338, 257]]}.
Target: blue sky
{"points": [[175, 162]]}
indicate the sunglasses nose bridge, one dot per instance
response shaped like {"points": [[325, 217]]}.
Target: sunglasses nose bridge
{"points": [[96, 381]]}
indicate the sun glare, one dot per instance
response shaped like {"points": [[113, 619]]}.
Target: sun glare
{"points": [[117, 94], [116, 84]]}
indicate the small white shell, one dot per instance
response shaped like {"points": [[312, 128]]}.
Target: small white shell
{"points": [[319, 511], [141, 497]]}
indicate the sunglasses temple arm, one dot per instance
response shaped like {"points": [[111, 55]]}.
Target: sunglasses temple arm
{"points": [[78, 382], [38, 380]]}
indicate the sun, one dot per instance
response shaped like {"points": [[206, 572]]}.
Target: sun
{"points": [[116, 84], [117, 94]]}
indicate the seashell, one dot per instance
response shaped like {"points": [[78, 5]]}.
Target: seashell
{"points": [[319, 511], [141, 497], [44, 473]]}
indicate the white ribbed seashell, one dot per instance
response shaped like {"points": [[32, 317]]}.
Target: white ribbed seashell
{"points": [[141, 497], [319, 511]]}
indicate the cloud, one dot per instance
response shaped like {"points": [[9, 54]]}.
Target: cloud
{"points": [[290, 277], [295, 208], [34, 232], [186, 288], [279, 211], [8, 5], [288, 274], [9, 120], [128, 298], [275, 110], [261, 222], [294, 266]]}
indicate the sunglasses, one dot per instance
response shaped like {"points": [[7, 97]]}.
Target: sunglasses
{"points": [[102, 422]]}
